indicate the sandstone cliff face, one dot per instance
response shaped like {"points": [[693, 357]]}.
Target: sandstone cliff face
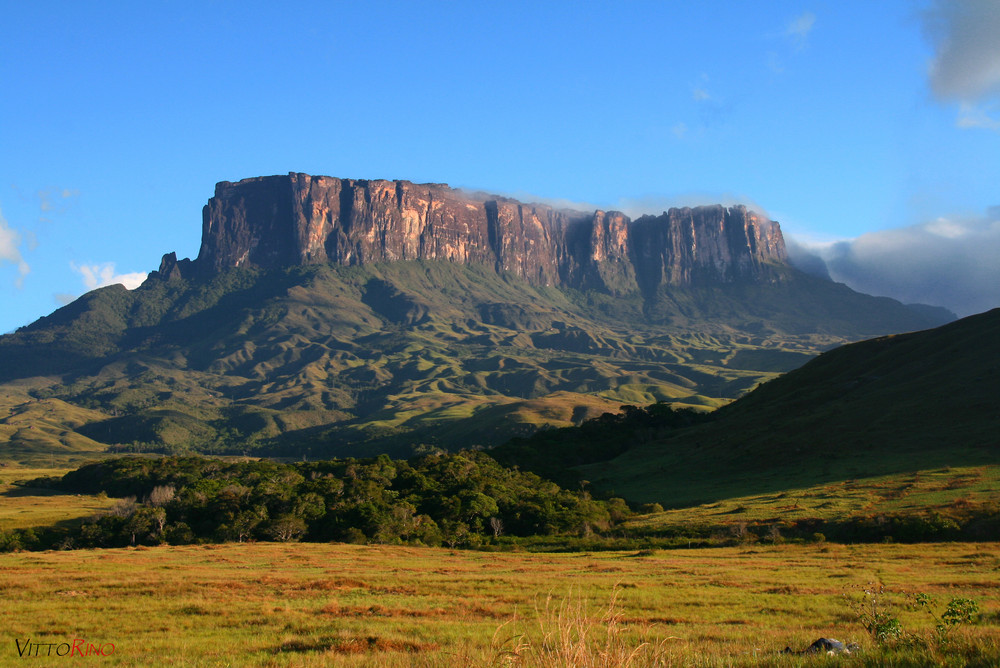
{"points": [[710, 244], [277, 221]]}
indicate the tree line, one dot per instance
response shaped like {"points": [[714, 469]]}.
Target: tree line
{"points": [[553, 453], [458, 500]]}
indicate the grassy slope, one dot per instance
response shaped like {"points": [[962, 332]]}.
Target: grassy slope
{"points": [[946, 491], [318, 359], [43, 430], [898, 404]]}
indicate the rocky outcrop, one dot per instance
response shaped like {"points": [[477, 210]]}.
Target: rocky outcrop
{"points": [[170, 268], [276, 221]]}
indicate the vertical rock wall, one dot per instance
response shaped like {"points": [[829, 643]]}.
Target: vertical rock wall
{"points": [[301, 219]]}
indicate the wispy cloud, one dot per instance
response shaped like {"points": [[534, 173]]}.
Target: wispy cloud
{"points": [[973, 116], [798, 29], [774, 63], [966, 63], [101, 275], [950, 262], [713, 109], [635, 207], [54, 200], [10, 250], [794, 34]]}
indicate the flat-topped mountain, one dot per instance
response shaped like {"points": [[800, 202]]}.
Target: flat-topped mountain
{"points": [[279, 221], [329, 316]]}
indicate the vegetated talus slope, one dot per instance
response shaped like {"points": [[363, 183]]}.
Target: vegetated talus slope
{"points": [[326, 360], [892, 404]]}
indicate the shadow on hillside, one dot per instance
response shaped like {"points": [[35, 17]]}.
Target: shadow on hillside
{"points": [[17, 491], [688, 480]]}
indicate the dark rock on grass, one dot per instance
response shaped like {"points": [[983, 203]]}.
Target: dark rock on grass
{"points": [[828, 646]]}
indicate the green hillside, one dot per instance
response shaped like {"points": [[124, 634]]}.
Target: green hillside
{"points": [[892, 405], [328, 360]]}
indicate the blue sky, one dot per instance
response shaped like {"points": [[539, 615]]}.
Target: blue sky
{"points": [[869, 130]]}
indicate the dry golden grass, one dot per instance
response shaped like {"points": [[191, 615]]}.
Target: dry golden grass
{"points": [[270, 604]]}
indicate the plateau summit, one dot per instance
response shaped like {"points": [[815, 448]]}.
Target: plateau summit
{"points": [[278, 221]]}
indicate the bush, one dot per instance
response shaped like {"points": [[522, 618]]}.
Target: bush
{"points": [[959, 611], [872, 610], [178, 533]]}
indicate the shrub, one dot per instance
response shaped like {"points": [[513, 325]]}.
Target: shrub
{"points": [[959, 611], [872, 610]]}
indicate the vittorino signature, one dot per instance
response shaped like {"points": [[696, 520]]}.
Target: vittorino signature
{"points": [[78, 647]]}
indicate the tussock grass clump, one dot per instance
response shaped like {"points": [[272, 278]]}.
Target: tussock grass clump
{"points": [[572, 632]]}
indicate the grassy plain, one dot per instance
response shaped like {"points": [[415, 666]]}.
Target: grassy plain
{"points": [[267, 604]]}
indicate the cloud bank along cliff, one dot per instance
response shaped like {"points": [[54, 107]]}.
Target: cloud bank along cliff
{"points": [[275, 221]]}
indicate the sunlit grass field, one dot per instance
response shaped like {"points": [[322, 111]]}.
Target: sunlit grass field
{"points": [[23, 507], [264, 604], [268, 604], [941, 490]]}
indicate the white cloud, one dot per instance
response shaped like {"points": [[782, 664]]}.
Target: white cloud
{"points": [[798, 29], [101, 275], [944, 227], [950, 262], [10, 251]]}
